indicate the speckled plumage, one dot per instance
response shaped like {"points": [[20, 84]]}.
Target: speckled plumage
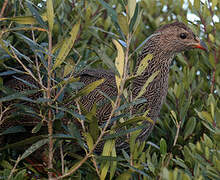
{"points": [[163, 45]]}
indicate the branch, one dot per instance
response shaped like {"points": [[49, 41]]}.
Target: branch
{"points": [[3, 8]]}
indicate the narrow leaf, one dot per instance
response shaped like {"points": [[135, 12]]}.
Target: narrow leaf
{"points": [[190, 126], [22, 20], [110, 10], [50, 14], [108, 146], [33, 148], [113, 164], [67, 45], [89, 88], [143, 64], [131, 7], [36, 15], [89, 140], [163, 146], [119, 63], [149, 80], [14, 129]]}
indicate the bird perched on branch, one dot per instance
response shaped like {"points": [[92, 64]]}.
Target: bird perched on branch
{"points": [[164, 44]]}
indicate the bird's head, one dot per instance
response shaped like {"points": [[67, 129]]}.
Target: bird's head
{"points": [[177, 37]]}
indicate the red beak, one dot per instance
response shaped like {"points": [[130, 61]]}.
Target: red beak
{"points": [[201, 45]]}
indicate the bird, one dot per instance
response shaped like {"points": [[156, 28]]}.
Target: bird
{"points": [[163, 45]]}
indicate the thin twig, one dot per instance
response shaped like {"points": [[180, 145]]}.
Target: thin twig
{"points": [[3, 8], [27, 70], [79, 111], [50, 120], [96, 167], [14, 168], [62, 157]]}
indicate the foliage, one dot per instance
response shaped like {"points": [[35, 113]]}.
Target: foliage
{"points": [[53, 40]]}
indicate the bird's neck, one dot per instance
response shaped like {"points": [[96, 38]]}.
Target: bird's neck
{"points": [[161, 60]]}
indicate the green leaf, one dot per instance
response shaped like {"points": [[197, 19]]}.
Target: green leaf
{"points": [[123, 132], [22, 143], [33, 148], [123, 23], [134, 19], [143, 64], [131, 7], [107, 150], [214, 4], [149, 80], [67, 46], [50, 14], [89, 88], [4, 45], [37, 127], [21, 20], [125, 175], [211, 37], [14, 129], [163, 146], [107, 61], [196, 4], [208, 141], [133, 120], [137, 22], [89, 140], [113, 165], [18, 95], [133, 103], [110, 11], [190, 126], [119, 63], [205, 116], [93, 123], [36, 15]]}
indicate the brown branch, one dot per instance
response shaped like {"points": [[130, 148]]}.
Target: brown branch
{"points": [[14, 168], [3, 8], [50, 120]]}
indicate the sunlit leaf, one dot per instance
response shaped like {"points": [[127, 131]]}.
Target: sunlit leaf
{"points": [[50, 14], [131, 7], [143, 64], [163, 146], [205, 116], [196, 4], [67, 46], [123, 23], [107, 150], [21, 19], [89, 140], [89, 88], [149, 80], [119, 63]]}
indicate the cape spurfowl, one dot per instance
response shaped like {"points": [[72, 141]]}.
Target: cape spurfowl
{"points": [[164, 44]]}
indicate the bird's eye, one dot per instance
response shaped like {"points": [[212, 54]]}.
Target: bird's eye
{"points": [[183, 35]]}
